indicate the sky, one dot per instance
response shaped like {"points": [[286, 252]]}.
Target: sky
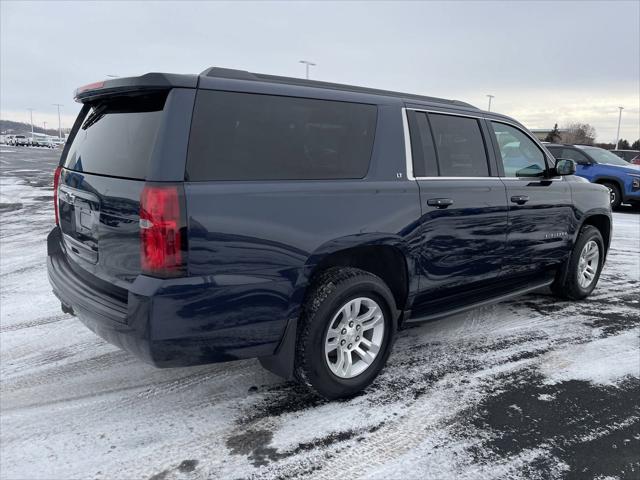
{"points": [[545, 62]]}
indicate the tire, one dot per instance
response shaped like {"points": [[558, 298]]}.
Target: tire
{"points": [[573, 286], [329, 293], [614, 194]]}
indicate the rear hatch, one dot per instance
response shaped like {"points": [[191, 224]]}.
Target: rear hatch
{"points": [[105, 170]]}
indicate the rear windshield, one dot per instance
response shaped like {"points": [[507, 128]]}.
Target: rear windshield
{"points": [[117, 136], [240, 136]]}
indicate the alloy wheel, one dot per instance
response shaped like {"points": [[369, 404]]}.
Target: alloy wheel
{"points": [[588, 264], [355, 337]]}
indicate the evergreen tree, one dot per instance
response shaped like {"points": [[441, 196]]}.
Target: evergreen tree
{"points": [[554, 135]]}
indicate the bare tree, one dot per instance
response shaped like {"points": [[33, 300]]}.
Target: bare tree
{"points": [[579, 134]]}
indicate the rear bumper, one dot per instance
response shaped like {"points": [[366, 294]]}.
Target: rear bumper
{"points": [[178, 322]]}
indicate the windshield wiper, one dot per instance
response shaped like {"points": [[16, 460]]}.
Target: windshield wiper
{"points": [[95, 116]]}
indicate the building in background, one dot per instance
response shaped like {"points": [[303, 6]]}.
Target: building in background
{"points": [[541, 133]]}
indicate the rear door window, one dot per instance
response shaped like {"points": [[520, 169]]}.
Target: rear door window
{"points": [[575, 155], [240, 136], [555, 151], [117, 136], [459, 145], [423, 150]]}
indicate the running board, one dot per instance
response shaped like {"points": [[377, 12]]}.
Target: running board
{"points": [[471, 306]]}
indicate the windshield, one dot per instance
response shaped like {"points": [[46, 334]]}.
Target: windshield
{"points": [[604, 156]]}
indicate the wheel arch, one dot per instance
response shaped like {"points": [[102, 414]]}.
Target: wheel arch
{"points": [[608, 179], [602, 222], [386, 256]]}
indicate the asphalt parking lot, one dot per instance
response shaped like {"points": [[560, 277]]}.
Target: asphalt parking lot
{"points": [[530, 388]]}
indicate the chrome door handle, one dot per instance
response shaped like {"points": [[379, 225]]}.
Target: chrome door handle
{"points": [[520, 199], [439, 202]]}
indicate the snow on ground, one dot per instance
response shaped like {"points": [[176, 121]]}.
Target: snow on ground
{"points": [[530, 388]]}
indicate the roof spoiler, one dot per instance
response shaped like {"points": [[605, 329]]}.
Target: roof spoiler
{"points": [[149, 81]]}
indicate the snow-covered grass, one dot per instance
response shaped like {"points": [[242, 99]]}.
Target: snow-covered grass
{"points": [[531, 388]]}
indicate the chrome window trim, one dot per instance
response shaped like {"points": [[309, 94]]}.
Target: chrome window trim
{"points": [[517, 179], [407, 144], [408, 155], [456, 114], [457, 178]]}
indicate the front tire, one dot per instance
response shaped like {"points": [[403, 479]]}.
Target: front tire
{"points": [[345, 334], [615, 196], [583, 267]]}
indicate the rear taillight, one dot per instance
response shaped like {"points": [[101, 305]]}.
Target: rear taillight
{"points": [[56, 182], [90, 86], [162, 230]]}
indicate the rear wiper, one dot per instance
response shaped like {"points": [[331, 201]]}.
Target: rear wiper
{"points": [[96, 115]]}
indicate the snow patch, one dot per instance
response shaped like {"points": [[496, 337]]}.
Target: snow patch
{"points": [[604, 361], [545, 397]]}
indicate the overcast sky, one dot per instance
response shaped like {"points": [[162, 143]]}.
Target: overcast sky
{"points": [[545, 62]]}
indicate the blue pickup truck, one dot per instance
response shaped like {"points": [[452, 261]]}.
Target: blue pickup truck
{"points": [[229, 215], [601, 166]]}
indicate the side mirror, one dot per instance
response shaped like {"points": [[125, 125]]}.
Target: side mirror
{"points": [[565, 166]]}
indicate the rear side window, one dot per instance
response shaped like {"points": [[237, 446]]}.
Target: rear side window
{"points": [[423, 150], [459, 145], [555, 151], [240, 136], [117, 137], [575, 155]]}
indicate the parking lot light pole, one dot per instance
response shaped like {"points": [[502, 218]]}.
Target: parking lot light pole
{"points": [[59, 124], [490, 98], [31, 118], [618, 134], [307, 65]]}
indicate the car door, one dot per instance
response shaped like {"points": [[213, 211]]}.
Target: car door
{"points": [[462, 230], [540, 210]]}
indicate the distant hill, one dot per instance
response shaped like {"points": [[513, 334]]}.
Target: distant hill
{"points": [[7, 127]]}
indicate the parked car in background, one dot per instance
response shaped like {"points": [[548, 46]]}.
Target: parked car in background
{"points": [[20, 141], [601, 166], [58, 142], [303, 222], [43, 141], [631, 156], [626, 154]]}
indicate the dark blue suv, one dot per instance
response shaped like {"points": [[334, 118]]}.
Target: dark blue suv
{"points": [[228, 215], [601, 166]]}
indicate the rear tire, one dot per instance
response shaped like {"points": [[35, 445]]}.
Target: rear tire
{"points": [[584, 266], [339, 350], [615, 196]]}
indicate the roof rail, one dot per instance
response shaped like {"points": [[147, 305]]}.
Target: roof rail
{"points": [[261, 77]]}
